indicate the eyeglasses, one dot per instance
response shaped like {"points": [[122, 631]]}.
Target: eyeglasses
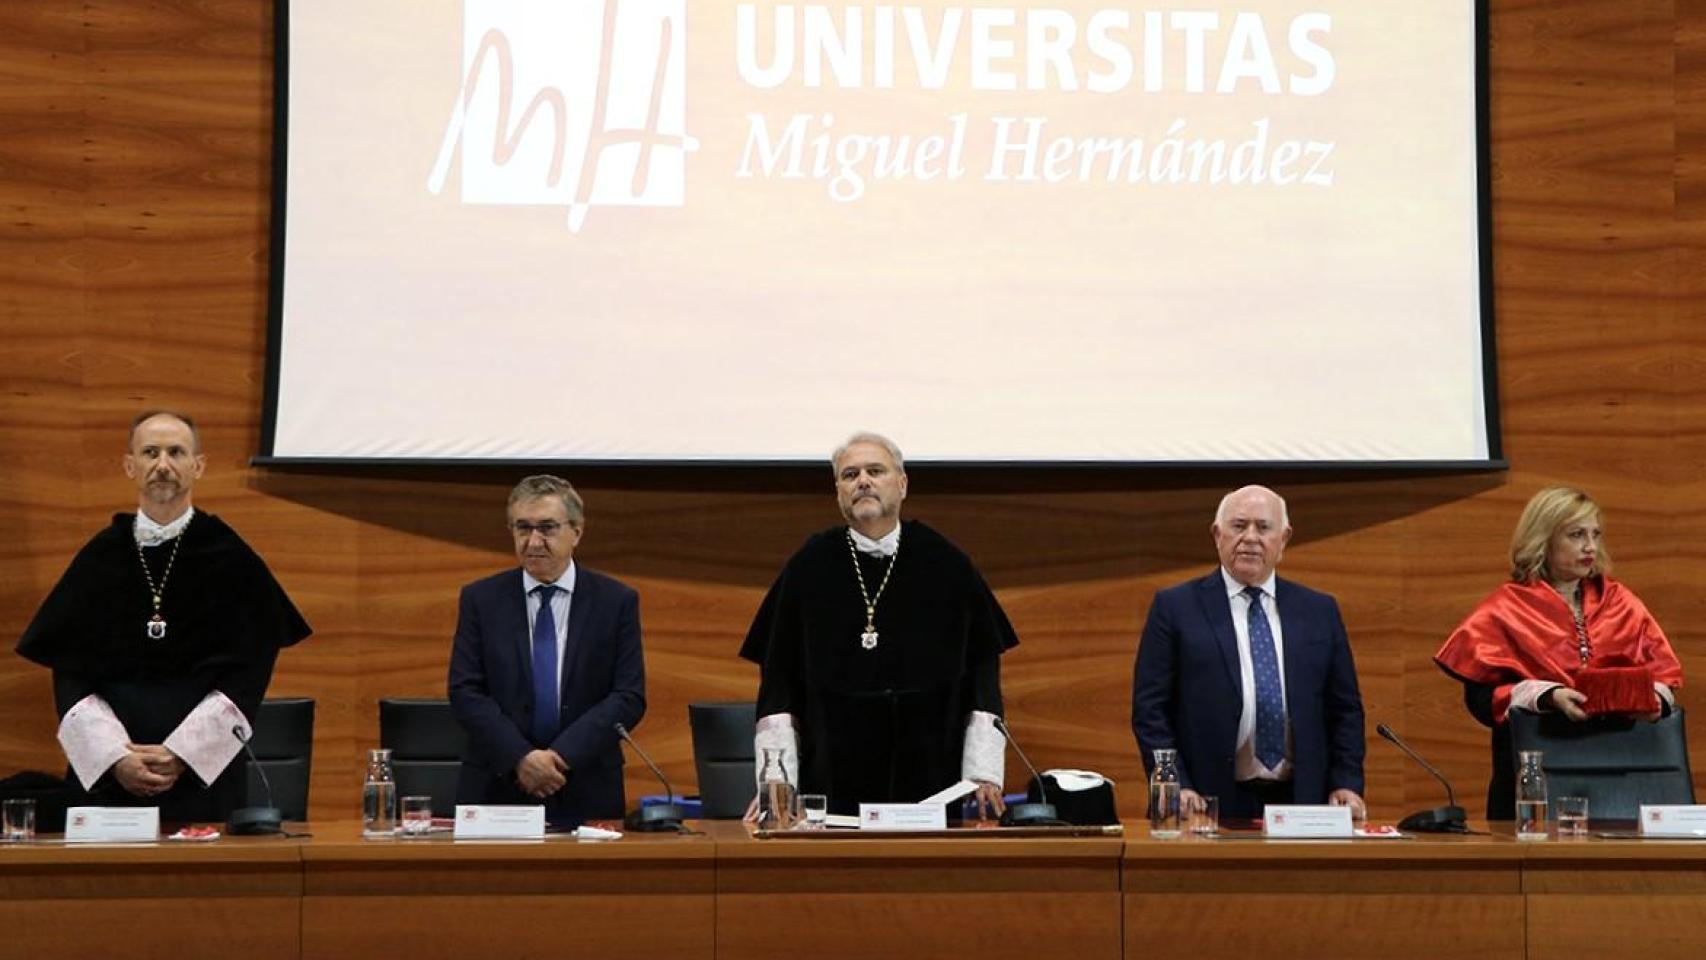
{"points": [[522, 529]]}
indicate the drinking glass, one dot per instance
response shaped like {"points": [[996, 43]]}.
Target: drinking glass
{"points": [[20, 819], [816, 809], [1206, 822], [1572, 818], [417, 816]]}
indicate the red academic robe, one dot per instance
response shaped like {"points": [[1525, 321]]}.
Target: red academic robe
{"points": [[1526, 631]]}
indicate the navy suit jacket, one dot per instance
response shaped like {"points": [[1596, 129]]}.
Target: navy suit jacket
{"points": [[1186, 690], [491, 692]]}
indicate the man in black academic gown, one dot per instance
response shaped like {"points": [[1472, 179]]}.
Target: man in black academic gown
{"points": [[879, 647], [162, 636]]}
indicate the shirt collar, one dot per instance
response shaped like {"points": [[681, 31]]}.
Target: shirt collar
{"points": [[883, 546], [566, 581], [1234, 588], [149, 534]]}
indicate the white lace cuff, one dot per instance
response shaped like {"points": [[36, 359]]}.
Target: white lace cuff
{"points": [[776, 732], [204, 740], [1665, 693], [984, 757], [1527, 693], [93, 738]]}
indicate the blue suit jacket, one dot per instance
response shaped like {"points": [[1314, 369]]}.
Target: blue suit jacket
{"points": [[491, 692], [1186, 691]]}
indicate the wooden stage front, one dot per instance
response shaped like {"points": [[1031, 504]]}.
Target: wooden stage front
{"points": [[726, 894]]}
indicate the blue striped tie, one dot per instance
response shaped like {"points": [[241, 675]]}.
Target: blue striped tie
{"points": [[1270, 699], [545, 667]]}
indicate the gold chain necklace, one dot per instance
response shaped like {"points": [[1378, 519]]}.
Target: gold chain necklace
{"points": [[868, 639], [156, 626]]}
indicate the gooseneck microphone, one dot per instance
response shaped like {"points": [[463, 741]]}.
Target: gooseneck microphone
{"points": [[248, 821], [1027, 814], [1446, 819], [658, 816]]}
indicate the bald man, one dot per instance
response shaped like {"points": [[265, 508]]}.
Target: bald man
{"points": [[162, 637], [1250, 677]]}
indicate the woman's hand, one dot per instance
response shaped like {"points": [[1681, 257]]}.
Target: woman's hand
{"points": [[1569, 702]]}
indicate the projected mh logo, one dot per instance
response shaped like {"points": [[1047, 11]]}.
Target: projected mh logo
{"points": [[576, 103]]}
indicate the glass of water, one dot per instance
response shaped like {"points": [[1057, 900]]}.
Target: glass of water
{"points": [[20, 819], [417, 817], [815, 807], [1572, 818]]}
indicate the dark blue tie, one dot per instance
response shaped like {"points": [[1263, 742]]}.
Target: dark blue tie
{"points": [[1270, 699], [545, 667]]}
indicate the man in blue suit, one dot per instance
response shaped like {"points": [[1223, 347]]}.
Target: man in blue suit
{"points": [[1250, 677], [545, 663]]}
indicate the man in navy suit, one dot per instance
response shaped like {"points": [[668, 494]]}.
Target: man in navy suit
{"points": [[546, 661], [1250, 677]]}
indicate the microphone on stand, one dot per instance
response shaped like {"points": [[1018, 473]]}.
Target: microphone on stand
{"points": [[659, 816], [1446, 819], [248, 821], [1027, 814]]}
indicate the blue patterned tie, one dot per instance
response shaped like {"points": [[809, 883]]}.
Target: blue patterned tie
{"points": [[544, 667], [1270, 700]]}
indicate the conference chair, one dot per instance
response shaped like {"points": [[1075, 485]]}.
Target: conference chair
{"points": [[1618, 763], [426, 749], [722, 757], [283, 742]]}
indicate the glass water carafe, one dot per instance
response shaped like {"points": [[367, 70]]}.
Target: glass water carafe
{"points": [[778, 800], [1530, 796], [1164, 796], [379, 796]]}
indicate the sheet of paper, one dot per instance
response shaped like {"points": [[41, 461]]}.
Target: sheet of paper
{"points": [[949, 794]]}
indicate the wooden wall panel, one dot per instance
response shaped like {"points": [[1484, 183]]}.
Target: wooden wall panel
{"points": [[134, 175]]}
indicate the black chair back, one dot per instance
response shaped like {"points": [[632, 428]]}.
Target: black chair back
{"points": [[722, 757], [426, 746], [283, 741], [1617, 762]]}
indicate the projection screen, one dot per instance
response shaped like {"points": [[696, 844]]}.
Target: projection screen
{"points": [[1001, 232]]}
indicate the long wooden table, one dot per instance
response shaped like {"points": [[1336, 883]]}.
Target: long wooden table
{"points": [[726, 894], [975, 896], [1434, 898]]}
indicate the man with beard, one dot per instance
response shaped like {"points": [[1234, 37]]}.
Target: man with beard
{"points": [[879, 647], [162, 636]]}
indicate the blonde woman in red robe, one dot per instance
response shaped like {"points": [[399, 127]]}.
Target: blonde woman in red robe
{"points": [[1558, 623]]}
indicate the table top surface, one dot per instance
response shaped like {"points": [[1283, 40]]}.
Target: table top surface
{"points": [[732, 840]]}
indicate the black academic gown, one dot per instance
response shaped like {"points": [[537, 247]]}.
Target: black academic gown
{"points": [[887, 724], [226, 620]]}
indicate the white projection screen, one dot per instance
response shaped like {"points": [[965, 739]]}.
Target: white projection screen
{"points": [[662, 231]]}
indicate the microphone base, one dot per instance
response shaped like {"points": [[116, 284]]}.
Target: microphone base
{"points": [[1438, 820], [658, 816], [253, 821], [1030, 815]]}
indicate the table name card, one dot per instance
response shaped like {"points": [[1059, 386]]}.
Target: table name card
{"points": [[488, 821], [1306, 820], [112, 824], [1673, 820], [903, 816]]}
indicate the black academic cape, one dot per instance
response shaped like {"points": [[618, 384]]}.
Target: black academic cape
{"points": [[226, 620], [885, 724]]}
